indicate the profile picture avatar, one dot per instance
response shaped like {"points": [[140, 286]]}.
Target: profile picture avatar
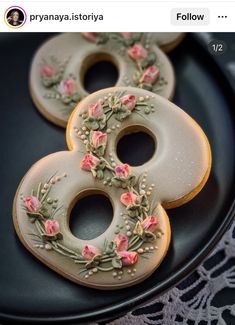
{"points": [[15, 17]]}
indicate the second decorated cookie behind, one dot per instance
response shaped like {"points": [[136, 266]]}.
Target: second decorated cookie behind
{"points": [[59, 66]]}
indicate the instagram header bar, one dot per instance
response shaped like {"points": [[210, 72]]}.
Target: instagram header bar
{"points": [[118, 16]]}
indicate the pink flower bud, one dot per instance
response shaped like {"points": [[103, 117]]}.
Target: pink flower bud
{"points": [[90, 36], [150, 75], [150, 223], [129, 101], [128, 198], [52, 227], [89, 252], [137, 52], [122, 171], [128, 258], [67, 87], [47, 71], [95, 110], [88, 162], [121, 242], [126, 35], [32, 204], [98, 139]]}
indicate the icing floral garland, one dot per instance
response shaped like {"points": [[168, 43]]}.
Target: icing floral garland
{"points": [[64, 89], [147, 70], [125, 249]]}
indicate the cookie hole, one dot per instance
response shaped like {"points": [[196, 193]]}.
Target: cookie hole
{"points": [[136, 146], [90, 216], [100, 72]]}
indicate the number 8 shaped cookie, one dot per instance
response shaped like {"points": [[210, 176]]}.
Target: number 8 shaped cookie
{"points": [[138, 237]]}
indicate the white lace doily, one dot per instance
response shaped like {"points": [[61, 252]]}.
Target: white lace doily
{"points": [[192, 301]]}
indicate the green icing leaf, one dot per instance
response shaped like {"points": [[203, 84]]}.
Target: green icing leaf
{"points": [[132, 180], [110, 247], [44, 211], [91, 124], [144, 63], [147, 110], [123, 182], [146, 86], [120, 116], [100, 174], [129, 42], [89, 147], [117, 263], [144, 200], [99, 151], [152, 58], [136, 37], [149, 236], [116, 182], [103, 38], [136, 77], [59, 236], [46, 237], [47, 82], [66, 99], [102, 123], [35, 215], [101, 165], [133, 213], [76, 97]]}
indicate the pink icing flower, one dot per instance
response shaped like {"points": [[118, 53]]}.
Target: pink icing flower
{"points": [[150, 75], [150, 223], [89, 161], [126, 35], [98, 139], [137, 52], [91, 36], [128, 198], [128, 258], [95, 110], [67, 87], [122, 171], [52, 227], [129, 101], [89, 252], [47, 71], [32, 203], [121, 242]]}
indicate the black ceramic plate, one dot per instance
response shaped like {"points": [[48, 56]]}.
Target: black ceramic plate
{"points": [[29, 291]]}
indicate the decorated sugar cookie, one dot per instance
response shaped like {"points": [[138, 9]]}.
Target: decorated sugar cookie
{"points": [[59, 66], [138, 237]]}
